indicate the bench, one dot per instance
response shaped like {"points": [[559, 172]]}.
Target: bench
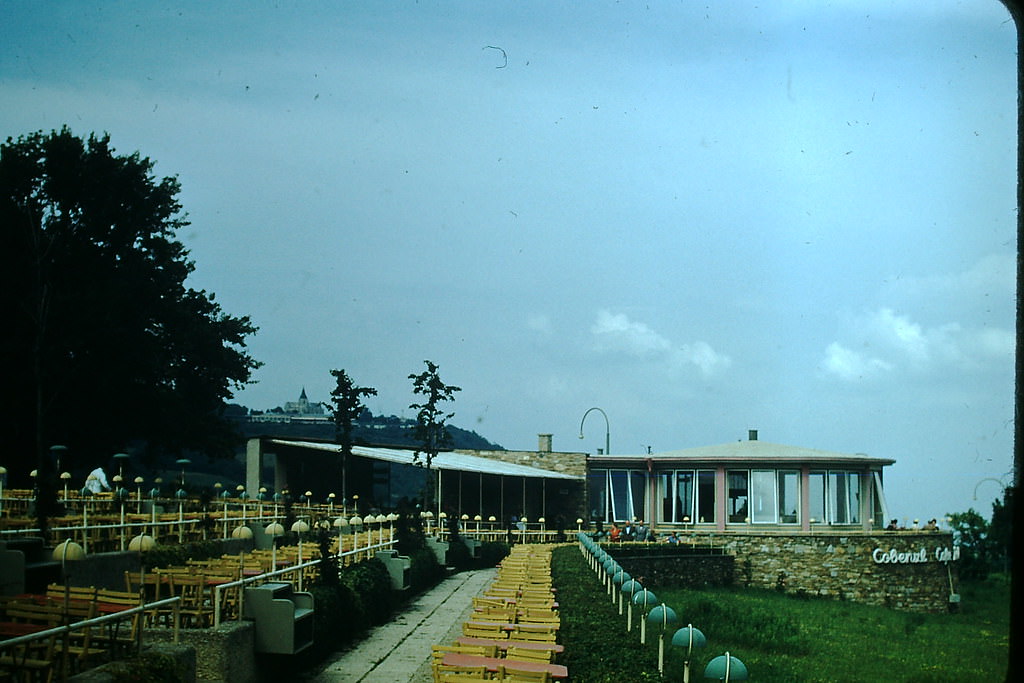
{"points": [[283, 618]]}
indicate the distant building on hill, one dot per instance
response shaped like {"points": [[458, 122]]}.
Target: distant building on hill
{"points": [[303, 406]]}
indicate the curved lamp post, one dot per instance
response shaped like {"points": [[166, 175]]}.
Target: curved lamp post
{"points": [[607, 429], [726, 668], [688, 637], [662, 616]]}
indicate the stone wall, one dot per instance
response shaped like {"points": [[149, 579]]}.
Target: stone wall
{"points": [[553, 461], [917, 573], [661, 564], [225, 653]]}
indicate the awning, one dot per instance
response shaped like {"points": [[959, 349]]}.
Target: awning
{"points": [[446, 460]]}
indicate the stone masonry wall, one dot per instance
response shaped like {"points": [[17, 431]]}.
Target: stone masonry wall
{"points": [[553, 461], [844, 567]]}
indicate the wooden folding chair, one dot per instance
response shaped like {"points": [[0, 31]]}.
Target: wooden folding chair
{"points": [[527, 654], [484, 630], [512, 674]]}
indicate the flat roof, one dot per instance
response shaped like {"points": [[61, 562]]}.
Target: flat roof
{"points": [[445, 460], [748, 452]]}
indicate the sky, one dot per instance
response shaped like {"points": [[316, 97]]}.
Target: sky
{"points": [[701, 218]]}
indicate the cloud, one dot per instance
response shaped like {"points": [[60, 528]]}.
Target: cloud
{"points": [[851, 366], [897, 341], [616, 333]]}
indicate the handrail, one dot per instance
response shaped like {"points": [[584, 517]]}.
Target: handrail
{"points": [[95, 621], [241, 583]]}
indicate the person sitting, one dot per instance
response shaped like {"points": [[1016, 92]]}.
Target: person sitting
{"points": [[614, 532], [672, 538], [932, 525], [893, 526]]}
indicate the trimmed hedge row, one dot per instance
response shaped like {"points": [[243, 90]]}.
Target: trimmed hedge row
{"points": [[597, 647]]}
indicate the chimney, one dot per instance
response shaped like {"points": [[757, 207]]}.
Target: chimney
{"points": [[752, 434], [545, 443]]}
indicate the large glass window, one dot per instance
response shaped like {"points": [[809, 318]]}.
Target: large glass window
{"points": [[616, 495], [684, 496], [597, 487], [789, 497], [621, 508], [706, 496], [665, 495], [816, 491], [675, 490], [844, 497], [638, 495], [763, 497], [737, 495]]}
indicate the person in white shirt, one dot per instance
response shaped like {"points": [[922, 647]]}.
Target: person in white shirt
{"points": [[97, 481]]}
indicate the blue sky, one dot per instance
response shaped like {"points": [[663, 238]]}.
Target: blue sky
{"points": [[700, 217]]}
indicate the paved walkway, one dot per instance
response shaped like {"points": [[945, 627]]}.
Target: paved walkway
{"points": [[400, 650]]}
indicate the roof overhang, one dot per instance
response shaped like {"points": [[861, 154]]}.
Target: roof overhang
{"points": [[744, 452], [445, 460]]}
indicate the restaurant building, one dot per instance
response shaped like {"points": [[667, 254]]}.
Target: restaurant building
{"points": [[793, 518]]}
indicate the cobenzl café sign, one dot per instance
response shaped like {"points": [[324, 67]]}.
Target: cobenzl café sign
{"points": [[893, 556]]}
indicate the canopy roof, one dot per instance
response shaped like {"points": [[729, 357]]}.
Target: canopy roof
{"points": [[446, 460]]}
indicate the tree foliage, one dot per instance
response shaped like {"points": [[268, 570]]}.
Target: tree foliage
{"points": [[430, 431], [106, 345], [347, 406]]}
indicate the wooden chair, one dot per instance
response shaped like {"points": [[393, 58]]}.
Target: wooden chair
{"points": [[120, 636], [528, 636], [511, 674], [484, 630], [34, 662], [194, 610], [444, 672], [526, 654]]}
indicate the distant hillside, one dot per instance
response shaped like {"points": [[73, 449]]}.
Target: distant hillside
{"points": [[370, 429]]}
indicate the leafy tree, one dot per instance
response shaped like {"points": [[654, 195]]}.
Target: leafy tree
{"points": [[1000, 531], [347, 398], [970, 532], [105, 344], [430, 430]]}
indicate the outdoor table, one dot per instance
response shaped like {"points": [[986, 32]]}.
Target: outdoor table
{"points": [[13, 629], [503, 644], [493, 664]]}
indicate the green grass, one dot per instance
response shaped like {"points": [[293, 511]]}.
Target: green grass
{"points": [[786, 638]]}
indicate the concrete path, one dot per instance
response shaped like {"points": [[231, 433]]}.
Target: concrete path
{"points": [[399, 651]]}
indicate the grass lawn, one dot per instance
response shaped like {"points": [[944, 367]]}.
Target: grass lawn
{"points": [[786, 638]]}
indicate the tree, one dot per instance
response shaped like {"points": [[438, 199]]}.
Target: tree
{"points": [[348, 406], [970, 532], [430, 430], [106, 346]]}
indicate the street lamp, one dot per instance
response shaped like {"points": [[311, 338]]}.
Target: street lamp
{"points": [[663, 615], [688, 637], [726, 668], [607, 429]]}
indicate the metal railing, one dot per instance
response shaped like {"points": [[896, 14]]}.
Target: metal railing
{"points": [[65, 631]]}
